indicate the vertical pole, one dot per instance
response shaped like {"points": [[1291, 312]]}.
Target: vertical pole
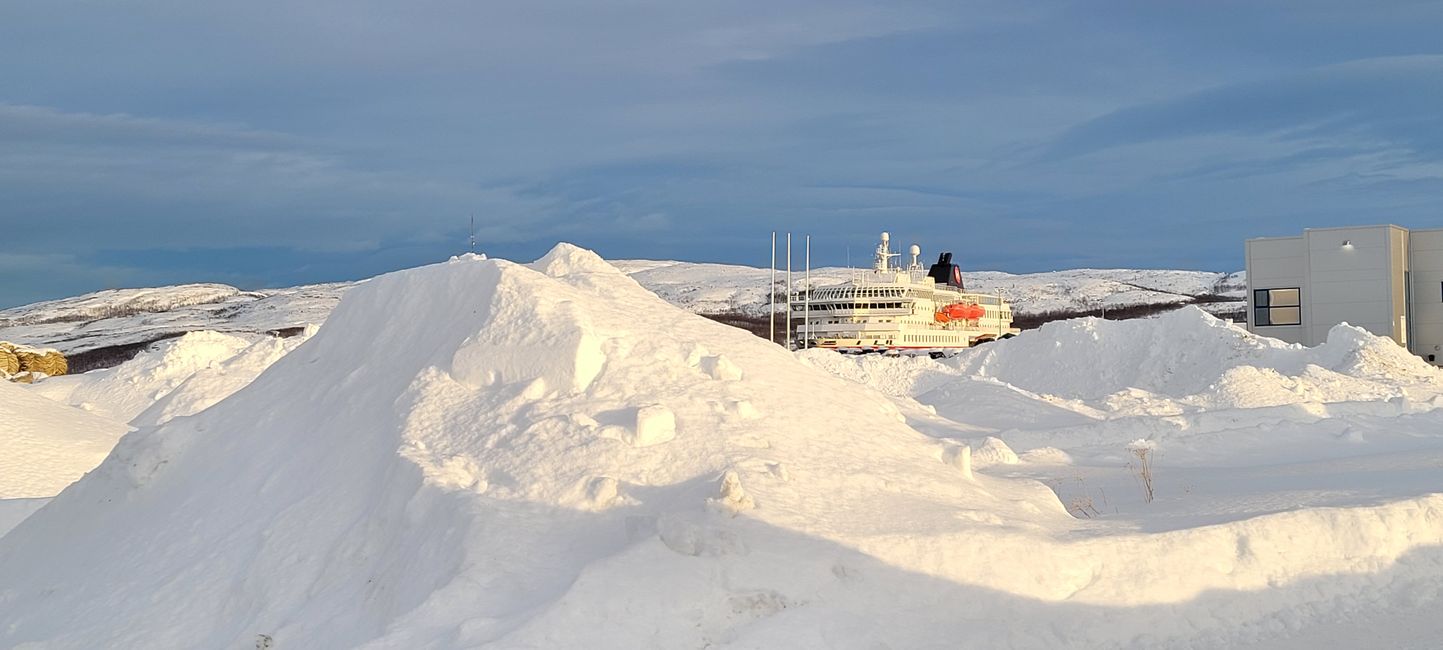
{"points": [[772, 295], [789, 291], [807, 305]]}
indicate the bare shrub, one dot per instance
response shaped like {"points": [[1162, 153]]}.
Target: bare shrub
{"points": [[1143, 451], [1082, 507]]}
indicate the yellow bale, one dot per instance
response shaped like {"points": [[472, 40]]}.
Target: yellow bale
{"points": [[49, 362], [9, 363]]}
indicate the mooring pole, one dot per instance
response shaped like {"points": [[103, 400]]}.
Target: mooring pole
{"points": [[807, 301], [789, 291], [772, 295]]}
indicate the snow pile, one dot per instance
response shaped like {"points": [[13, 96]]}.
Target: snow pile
{"points": [[993, 451], [218, 379], [464, 455], [1190, 356], [45, 446], [123, 392]]}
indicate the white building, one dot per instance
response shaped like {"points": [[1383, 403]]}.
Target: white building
{"points": [[1385, 279]]}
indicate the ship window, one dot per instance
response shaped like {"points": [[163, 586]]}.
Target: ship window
{"points": [[1276, 307]]}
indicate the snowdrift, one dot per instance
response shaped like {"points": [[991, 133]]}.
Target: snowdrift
{"points": [[1189, 354], [122, 392], [45, 446], [486, 454]]}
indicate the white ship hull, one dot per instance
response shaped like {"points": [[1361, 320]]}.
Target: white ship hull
{"points": [[896, 310]]}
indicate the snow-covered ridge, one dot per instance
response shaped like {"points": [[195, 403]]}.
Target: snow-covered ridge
{"points": [[726, 288], [126, 316], [129, 316], [117, 303]]}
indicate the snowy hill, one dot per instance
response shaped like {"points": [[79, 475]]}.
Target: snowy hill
{"points": [[121, 317], [724, 288], [128, 316], [566, 461]]}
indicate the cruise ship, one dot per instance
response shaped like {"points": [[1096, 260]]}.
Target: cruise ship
{"points": [[892, 309]]}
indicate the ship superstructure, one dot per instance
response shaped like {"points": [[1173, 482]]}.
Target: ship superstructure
{"points": [[900, 310]]}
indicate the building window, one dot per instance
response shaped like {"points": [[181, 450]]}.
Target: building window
{"points": [[1277, 307]]}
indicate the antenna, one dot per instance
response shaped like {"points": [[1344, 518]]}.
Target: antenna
{"points": [[473, 233]]}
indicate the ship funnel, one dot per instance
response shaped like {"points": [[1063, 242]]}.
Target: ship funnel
{"points": [[945, 272]]}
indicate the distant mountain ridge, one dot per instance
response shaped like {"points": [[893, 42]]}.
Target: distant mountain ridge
{"points": [[132, 317]]}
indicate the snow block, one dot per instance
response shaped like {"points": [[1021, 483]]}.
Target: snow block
{"points": [[994, 452], [720, 367], [655, 424], [959, 456], [734, 499]]}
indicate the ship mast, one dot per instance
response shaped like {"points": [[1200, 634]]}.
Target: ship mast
{"points": [[883, 262]]}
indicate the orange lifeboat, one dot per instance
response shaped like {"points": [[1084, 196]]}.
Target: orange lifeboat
{"points": [[963, 311], [941, 317]]}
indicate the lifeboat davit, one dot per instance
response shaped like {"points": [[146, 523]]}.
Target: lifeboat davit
{"points": [[961, 311]]}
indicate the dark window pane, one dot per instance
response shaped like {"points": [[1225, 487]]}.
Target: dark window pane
{"points": [[1260, 298], [1260, 316]]}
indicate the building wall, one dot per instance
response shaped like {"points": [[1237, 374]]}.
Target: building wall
{"points": [[1352, 283], [1425, 257], [1385, 279], [1278, 263], [1398, 259]]}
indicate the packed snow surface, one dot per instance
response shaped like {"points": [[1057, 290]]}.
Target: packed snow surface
{"points": [[563, 460], [45, 446]]}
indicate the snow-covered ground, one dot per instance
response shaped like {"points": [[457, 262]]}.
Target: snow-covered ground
{"points": [[45, 446], [126, 316], [566, 461]]}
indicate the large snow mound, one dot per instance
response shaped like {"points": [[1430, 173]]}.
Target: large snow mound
{"points": [[45, 446], [458, 449], [1188, 353]]}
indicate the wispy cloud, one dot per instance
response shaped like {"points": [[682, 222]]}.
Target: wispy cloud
{"points": [[280, 142]]}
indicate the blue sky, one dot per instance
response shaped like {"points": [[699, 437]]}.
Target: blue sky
{"points": [[275, 143]]}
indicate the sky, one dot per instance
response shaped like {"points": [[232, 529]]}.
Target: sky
{"points": [[267, 143]]}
